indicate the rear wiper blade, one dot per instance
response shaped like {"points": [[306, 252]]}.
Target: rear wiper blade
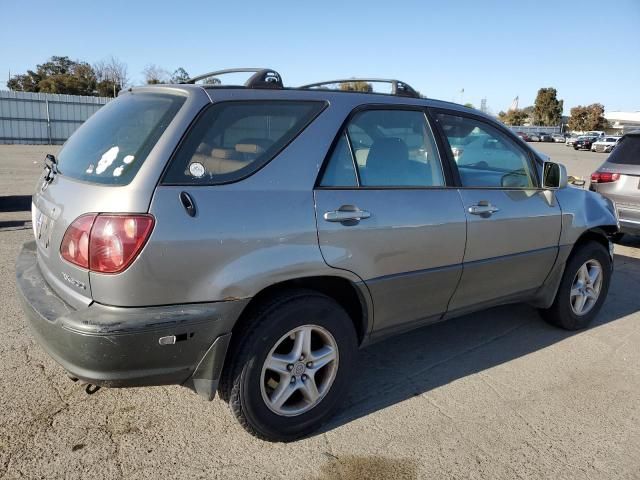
{"points": [[50, 167]]}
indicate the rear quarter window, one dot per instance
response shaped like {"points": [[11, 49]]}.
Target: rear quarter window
{"points": [[110, 147], [232, 140], [627, 151]]}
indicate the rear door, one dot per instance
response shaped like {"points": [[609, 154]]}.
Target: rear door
{"points": [[384, 212], [513, 226]]}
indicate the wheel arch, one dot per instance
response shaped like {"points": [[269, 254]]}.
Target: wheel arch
{"points": [[547, 293], [353, 297], [598, 234]]}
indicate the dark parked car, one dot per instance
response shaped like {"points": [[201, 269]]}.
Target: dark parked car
{"points": [[249, 239], [584, 142], [523, 136], [545, 137], [619, 179]]}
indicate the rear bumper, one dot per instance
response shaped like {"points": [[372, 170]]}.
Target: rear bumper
{"points": [[120, 347], [630, 226]]}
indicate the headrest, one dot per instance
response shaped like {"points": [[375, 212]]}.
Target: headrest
{"points": [[249, 148], [222, 153]]}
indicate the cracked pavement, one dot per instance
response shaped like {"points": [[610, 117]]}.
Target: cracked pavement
{"points": [[497, 394]]}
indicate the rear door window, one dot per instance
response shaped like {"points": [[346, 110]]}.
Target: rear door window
{"points": [[110, 147], [391, 148], [626, 151], [232, 140]]}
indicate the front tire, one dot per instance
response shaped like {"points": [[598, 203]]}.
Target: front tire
{"points": [[289, 374], [583, 288]]}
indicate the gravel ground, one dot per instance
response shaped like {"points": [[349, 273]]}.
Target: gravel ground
{"points": [[497, 394]]}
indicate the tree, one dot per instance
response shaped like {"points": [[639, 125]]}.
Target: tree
{"points": [[154, 75], [58, 75], [111, 77], [180, 75], [356, 86], [590, 117], [513, 117], [547, 109], [470, 105]]}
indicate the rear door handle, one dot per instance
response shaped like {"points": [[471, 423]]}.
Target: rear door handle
{"points": [[346, 213], [483, 208]]}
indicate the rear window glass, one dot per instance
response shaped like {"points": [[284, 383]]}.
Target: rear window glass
{"points": [[110, 147], [627, 151], [231, 140]]}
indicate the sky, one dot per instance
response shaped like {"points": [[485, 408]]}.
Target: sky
{"points": [[588, 50]]}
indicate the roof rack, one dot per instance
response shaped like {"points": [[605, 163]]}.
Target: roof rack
{"points": [[262, 77], [398, 87]]}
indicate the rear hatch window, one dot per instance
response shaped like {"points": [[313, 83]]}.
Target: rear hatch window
{"points": [[627, 151], [110, 147], [232, 140]]}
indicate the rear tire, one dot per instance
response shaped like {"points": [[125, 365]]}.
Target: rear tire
{"points": [[261, 366], [575, 306]]}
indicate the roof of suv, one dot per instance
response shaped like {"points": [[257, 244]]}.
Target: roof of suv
{"points": [[335, 96]]}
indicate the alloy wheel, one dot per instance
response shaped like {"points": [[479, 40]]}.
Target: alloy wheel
{"points": [[299, 370], [586, 286]]}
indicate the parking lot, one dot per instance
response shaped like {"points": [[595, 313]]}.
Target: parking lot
{"points": [[497, 394]]}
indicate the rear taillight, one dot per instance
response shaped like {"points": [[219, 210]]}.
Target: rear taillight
{"points": [[604, 177], [106, 243], [75, 243]]}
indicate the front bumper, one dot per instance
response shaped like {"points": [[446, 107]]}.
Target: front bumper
{"points": [[121, 347]]}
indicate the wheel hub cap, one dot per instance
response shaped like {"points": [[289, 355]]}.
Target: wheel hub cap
{"points": [[298, 369]]}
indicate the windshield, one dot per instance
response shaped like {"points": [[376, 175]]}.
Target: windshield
{"points": [[110, 147]]}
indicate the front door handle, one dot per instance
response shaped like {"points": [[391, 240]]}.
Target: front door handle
{"points": [[483, 208], [346, 213]]}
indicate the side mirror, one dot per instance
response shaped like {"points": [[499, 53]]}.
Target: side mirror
{"points": [[554, 176]]}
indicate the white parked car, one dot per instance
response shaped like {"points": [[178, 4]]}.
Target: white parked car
{"points": [[604, 144], [558, 138], [571, 139]]}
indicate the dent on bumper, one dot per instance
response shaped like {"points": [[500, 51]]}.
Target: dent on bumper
{"points": [[117, 346]]}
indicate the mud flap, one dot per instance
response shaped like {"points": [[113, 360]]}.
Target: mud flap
{"points": [[206, 376]]}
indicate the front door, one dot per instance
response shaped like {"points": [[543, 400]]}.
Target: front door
{"points": [[384, 212], [513, 227]]}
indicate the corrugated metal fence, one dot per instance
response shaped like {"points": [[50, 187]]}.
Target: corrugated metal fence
{"points": [[535, 129], [37, 118]]}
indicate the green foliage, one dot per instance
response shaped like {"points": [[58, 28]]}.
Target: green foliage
{"points": [[356, 86], [180, 75], [547, 109], [513, 117], [58, 75], [590, 117], [470, 105], [63, 75]]}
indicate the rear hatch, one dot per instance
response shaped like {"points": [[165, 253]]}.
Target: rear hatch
{"points": [[111, 164], [625, 161], [622, 183]]}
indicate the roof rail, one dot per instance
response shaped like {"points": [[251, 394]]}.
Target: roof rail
{"points": [[397, 87], [261, 78]]}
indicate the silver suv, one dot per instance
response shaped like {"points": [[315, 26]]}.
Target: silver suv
{"points": [[249, 239], [618, 178]]}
